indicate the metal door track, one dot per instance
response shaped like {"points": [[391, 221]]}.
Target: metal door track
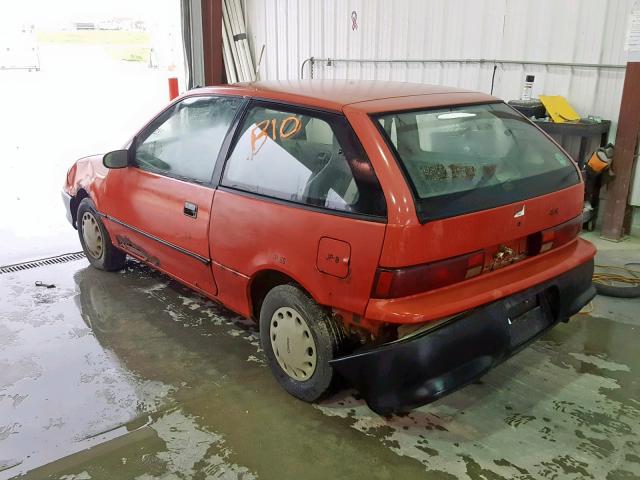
{"points": [[17, 267]]}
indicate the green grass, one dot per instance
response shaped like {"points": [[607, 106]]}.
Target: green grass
{"points": [[120, 44], [95, 37], [129, 53]]}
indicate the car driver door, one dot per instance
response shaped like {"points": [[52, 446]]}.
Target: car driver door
{"points": [[160, 206]]}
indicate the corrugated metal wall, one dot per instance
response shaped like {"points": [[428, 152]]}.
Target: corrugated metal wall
{"points": [[576, 31]]}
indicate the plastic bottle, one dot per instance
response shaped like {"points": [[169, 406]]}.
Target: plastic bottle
{"points": [[526, 90]]}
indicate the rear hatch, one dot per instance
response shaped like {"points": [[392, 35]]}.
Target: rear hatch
{"points": [[490, 190]]}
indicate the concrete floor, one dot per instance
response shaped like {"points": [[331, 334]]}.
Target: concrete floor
{"points": [[130, 375]]}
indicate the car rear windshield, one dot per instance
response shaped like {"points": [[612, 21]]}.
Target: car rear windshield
{"points": [[468, 158]]}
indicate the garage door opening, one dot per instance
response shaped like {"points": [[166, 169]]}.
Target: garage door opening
{"points": [[77, 77]]}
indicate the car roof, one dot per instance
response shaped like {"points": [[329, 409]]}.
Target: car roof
{"points": [[366, 95]]}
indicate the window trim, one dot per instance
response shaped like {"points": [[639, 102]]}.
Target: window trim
{"points": [[417, 200], [162, 117], [303, 206], [254, 102]]}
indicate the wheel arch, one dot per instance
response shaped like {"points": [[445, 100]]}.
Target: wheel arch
{"points": [[262, 281], [80, 195]]}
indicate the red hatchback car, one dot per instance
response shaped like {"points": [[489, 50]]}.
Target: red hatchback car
{"points": [[405, 237]]}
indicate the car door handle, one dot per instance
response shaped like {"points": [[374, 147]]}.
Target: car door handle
{"points": [[190, 209]]}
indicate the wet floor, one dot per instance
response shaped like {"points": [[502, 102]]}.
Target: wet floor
{"points": [[130, 375]]}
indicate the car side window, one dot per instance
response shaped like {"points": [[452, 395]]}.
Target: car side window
{"points": [[185, 141], [304, 157]]}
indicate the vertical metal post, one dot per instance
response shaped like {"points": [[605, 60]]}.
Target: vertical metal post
{"points": [[173, 88], [616, 218], [212, 41]]}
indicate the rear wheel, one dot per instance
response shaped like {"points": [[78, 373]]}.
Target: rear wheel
{"points": [[299, 339], [95, 240]]}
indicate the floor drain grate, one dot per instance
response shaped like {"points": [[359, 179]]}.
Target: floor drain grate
{"points": [[17, 267]]}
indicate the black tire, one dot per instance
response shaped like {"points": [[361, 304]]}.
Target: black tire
{"points": [[327, 333], [619, 292], [109, 258]]}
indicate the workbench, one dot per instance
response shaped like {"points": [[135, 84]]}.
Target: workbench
{"points": [[583, 129], [592, 135]]}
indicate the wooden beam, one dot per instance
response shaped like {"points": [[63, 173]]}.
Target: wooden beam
{"points": [[615, 219], [212, 42]]}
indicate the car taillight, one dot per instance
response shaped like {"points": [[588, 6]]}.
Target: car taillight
{"points": [[401, 282], [545, 240]]}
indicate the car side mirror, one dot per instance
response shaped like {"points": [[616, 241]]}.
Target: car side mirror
{"points": [[116, 159]]}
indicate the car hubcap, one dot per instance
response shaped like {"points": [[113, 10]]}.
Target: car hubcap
{"points": [[92, 235], [292, 343]]}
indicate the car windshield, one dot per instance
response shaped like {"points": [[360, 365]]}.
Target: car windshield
{"points": [[468, 158]]}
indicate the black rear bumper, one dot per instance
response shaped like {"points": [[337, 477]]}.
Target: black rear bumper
{"points": [[419, 369]]}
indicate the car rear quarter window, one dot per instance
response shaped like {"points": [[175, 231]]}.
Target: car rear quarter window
{"points": [[306, 157], [185, 140], [468, 158]]}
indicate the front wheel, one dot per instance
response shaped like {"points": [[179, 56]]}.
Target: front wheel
{"points": [[299, 339], [95, 239]]}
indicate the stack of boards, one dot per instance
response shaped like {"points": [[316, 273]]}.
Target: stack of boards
{"points": [[238, 64]]}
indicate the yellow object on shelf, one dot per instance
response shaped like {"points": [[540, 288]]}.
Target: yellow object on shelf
{"points": [[559, 109]]}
